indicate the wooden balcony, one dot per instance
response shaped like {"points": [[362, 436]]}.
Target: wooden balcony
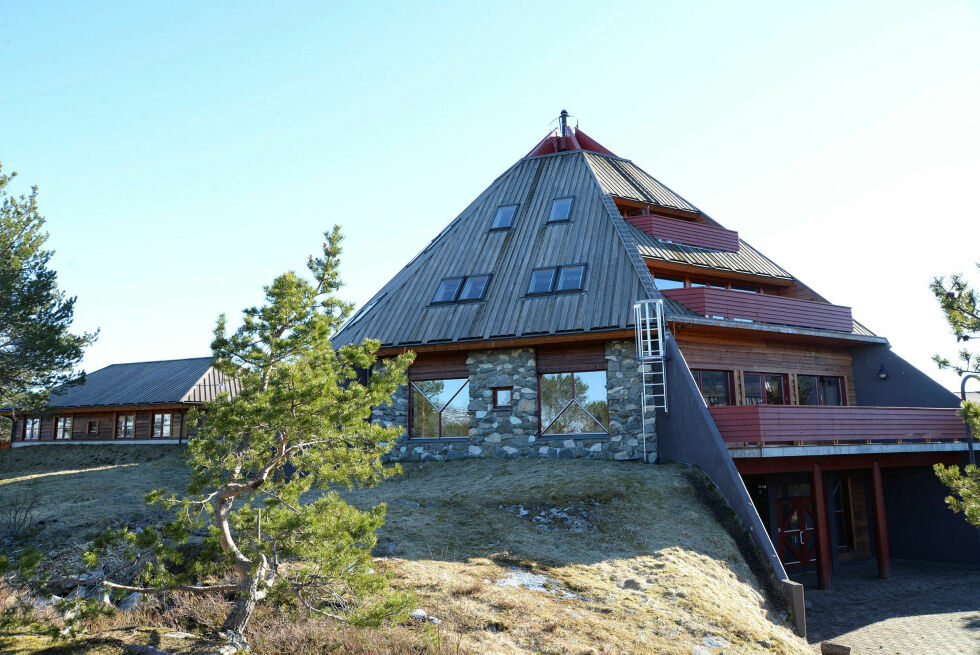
{"points": [[687, 232], [763, 308], [790, 424]]}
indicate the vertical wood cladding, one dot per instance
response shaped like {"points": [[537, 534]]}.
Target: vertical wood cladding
{"points": [[743, 355]]}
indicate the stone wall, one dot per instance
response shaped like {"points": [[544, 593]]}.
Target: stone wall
{"points": [[513, 431]]}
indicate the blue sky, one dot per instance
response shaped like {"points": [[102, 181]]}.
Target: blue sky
{"points": [[188, 152]]}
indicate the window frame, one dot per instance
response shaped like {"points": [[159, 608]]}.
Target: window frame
{"points": [[496, 398], [510, 225], [551, 210], [411, 408], [729, 376], [61, 422], [820, 396], [90, 424], [555, 278], [786, 394], [463, 279], [125, 418], [35, 430], [543, 434], [170, 425]]}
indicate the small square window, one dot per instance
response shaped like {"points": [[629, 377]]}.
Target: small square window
{"points": [[503, 397], [542, 280], [92, 427], [561, 210], [504, 217], [448, 289], [474, 287], [570, 278]]}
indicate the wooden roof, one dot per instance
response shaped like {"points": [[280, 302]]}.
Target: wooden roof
{"points": [[401, 314]]}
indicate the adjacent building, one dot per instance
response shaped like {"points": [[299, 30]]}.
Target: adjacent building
{"points": [[143, 402]]}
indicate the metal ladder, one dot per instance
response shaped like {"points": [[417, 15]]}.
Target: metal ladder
{"points": [[649, 320]]}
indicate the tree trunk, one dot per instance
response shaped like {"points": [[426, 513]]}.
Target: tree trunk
{"points": [[242, 611]]}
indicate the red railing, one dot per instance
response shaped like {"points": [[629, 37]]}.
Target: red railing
{"points": [[787, 424], [687, 232], [763, 308]]}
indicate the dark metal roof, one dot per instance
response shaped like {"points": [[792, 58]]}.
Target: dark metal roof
{"points": [[403, 315], [624, 179], [139, 383]]}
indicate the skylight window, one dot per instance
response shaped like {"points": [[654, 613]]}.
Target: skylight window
{"points": [[469, 288], [561, 210], [557, 279], [570, 278], [504, 217]]}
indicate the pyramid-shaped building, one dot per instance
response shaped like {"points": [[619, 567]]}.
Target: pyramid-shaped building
{"points": [[523, 313]]}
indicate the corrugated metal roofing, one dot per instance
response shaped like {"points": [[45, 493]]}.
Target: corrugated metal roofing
{"points": [[624, 179], [746, 260], [404, 316], [139, 383]]}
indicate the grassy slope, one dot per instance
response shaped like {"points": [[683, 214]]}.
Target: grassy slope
{"points": [[654, 573]]}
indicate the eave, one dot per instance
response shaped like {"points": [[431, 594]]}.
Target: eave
{"points": [[787, 332]]}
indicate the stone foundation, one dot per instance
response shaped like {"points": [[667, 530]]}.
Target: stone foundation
{"points": [[514, 431]]}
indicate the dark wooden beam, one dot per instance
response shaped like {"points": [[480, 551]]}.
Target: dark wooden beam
{"points": [[881, 529], [823, 529], [511, 342]]}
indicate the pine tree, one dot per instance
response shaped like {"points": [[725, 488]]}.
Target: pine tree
{"points": [[267, 463], [961, 304], [37, 348]]}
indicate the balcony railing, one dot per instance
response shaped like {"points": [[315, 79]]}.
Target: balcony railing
{"points": [[789, 424], [763, 308], [687, 232]]}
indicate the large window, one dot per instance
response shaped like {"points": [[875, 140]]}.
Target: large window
{"points": [[469, 288], [820, 390], [162, 426], [62, 427], [504, 218], [556, 279], [715, 386], [574, 403], [439, 408], [124, 426], [765, 389], [32, 429]]}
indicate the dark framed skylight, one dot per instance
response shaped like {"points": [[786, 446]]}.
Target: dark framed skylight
{"points": [[570, 278], [556, 279], [561, 209], [542, 281], [469, 288], [504, 218]]}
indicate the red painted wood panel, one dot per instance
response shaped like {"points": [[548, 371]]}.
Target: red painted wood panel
{"points": [[790, 423], [687, 232], [764, 308]]}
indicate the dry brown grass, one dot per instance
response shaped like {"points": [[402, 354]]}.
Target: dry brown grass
{"points": [[655, 574]]}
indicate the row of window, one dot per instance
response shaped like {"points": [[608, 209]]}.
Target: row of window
{"points": [[561, 211], [665, 282], [162, 427], [548, 280], [568, 403], [717, 388]]}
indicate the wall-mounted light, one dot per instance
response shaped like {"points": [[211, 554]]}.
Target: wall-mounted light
{"points": [[882, 373]]}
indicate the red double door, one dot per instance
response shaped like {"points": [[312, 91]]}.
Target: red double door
{"points": [[797, 532]]}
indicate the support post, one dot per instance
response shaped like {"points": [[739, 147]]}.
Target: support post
{"points": [[881, 529], [821, 524]]}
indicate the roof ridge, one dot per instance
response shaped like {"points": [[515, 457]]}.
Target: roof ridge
{"points": [[157, 361]]}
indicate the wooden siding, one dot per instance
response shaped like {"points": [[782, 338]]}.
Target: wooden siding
{"points": [[438, 366], [584, 357], [687, 232], [211, 384], [106, 420], [764, 308], [768, 356], [752, 424]]}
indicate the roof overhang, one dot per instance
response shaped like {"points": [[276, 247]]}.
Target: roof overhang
{"points": [[787, 332], [510, 342]]}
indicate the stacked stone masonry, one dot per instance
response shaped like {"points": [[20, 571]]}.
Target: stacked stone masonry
{"points": [[514, 431]]}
